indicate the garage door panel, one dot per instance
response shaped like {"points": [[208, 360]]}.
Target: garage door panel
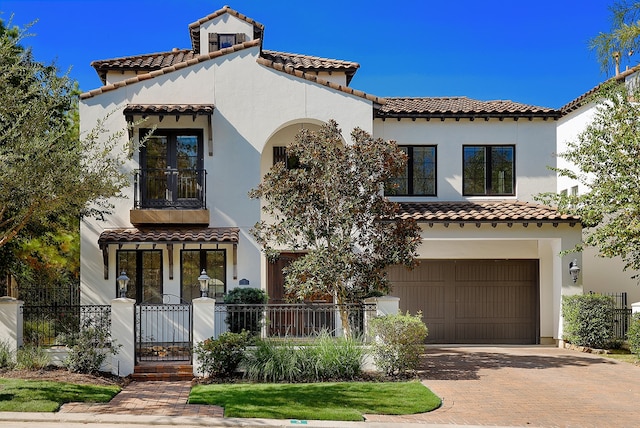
{"points": [[473, 301]]}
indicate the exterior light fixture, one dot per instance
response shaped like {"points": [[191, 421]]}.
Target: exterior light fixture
{"points": [[574, 270], [123, 283], [203, 279]]}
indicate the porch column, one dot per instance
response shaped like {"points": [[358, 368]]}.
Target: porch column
{"points": [[386, 305], [11, 322], [123, 321], [204, 310]]}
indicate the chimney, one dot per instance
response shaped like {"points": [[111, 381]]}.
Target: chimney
{"points": [[616, 58]]}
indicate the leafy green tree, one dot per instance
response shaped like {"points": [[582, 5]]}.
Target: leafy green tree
{"points": [[331, 206], [47, 173], [622, 42], [605, 159]]}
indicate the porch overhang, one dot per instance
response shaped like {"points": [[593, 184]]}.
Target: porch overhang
{"points": [[484, 212], [169, 237]]}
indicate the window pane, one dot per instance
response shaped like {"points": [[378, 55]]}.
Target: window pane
{"points": [[399, 185], [127, 264], [424, 170], [474, 171], [216, 271], [156, 163], [152, 276], [502, 170], [190, 266]]}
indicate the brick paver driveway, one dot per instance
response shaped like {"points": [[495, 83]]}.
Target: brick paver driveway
{"points": [[531, 386]]}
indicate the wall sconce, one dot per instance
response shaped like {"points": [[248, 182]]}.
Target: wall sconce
{"points": [[574, 270], [203, 279], [123, 283]]}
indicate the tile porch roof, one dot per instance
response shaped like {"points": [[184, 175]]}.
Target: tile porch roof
{"points": [[169, 235], [460, 107], [169, 109], [491, 212]]}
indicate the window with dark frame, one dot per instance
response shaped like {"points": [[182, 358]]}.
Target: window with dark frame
{"points": [[192, 262], [144, 269], [488, 170], [226, 40], [419, 176], [280, 155]]}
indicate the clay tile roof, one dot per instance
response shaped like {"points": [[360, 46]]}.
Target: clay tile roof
{"points": [[169, 109], [168, 235], [194, 27], [311, 63], [460, 107], [483, 212], [141, 63], [587, 96]]}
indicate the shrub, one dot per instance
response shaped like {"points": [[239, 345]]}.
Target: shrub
{"points": [[399, 342], [588, 320], [324, 358], [7, 357], [633, 334], [32, 358], [89, 347], [221, 357], [251, 320]]}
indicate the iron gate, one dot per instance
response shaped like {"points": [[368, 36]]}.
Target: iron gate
{"points": [[163, 332]]}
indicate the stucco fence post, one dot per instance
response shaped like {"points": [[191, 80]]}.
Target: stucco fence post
{"points": [[385, 305], [635, 308], [204, 311], [11, 322], [123, 335]]}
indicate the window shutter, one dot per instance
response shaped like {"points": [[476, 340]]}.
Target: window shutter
{"points": [[213, 42], [241, 38]]}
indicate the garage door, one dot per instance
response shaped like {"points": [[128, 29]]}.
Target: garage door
{"points": [[472, 301]]}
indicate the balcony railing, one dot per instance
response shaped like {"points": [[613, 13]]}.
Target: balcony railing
{"points": [[170, 188]]}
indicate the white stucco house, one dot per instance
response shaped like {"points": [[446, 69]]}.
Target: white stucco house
{"points": [[223, 111], [600, 274]]}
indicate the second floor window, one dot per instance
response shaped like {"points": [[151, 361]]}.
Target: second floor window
{"points": [[419, 176], [488, 170]]}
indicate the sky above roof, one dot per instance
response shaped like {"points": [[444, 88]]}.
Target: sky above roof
{"points": [[530, 52]]}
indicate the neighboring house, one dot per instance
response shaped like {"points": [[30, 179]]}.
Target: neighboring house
{"points": [[225, 109], [601, 274]]}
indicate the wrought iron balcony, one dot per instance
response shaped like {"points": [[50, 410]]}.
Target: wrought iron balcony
{"points": [[170, 188]]}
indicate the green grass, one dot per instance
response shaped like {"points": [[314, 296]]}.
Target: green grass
{"points": [[623, 355], [342, 401], [18, 395]]}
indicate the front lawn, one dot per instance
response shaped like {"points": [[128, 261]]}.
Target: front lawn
{"points": [[341, 401], [17, 395]]}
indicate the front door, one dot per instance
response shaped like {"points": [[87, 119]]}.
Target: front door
{"points": [[172, 169]]}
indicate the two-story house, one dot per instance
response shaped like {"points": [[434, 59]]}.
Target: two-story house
{"points": [[223, 111]]}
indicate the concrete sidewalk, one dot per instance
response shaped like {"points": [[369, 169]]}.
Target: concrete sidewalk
{"points": [[507, 386]]}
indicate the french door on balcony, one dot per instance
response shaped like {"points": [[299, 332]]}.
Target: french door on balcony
{"points": [[172, 169]]}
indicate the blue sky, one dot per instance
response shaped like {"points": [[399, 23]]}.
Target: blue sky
{"points": [[534, 52]]}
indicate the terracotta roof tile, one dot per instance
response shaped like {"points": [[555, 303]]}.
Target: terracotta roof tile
{"points": [[194, 27], [483, 212], [311, 63], [169, 109], [587, 96], [146, 62], [460, 107], [167, 235]]}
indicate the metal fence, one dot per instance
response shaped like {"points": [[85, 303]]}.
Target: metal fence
{"points": [[298, 320], [621, 314], [163, 332], [51, 325]]}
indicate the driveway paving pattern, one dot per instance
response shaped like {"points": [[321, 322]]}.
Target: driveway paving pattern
{"points": [[528, 386], [522, 386]]}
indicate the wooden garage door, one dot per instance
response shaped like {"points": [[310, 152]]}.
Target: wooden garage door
{"points": [[472, 301]]}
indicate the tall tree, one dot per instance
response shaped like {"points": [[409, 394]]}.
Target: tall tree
{"points": [[606, 156], [331, 206], [620, 45], [47, 173]]}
